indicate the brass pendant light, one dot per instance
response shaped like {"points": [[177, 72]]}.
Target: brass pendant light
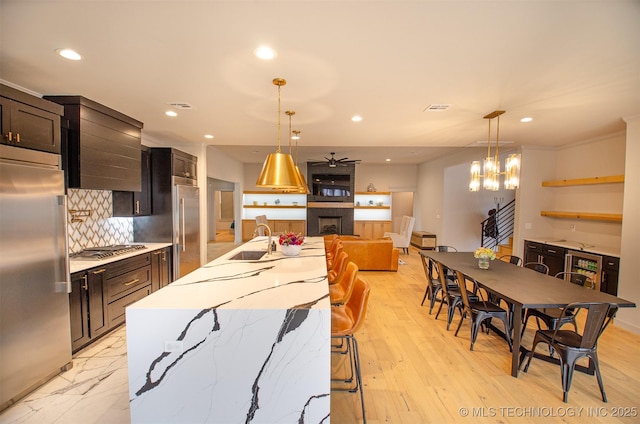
{"points": [[303, 189], [279, 171]]}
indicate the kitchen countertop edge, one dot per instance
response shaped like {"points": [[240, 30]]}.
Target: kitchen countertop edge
{"points": [[574, 245], [83, 265]]}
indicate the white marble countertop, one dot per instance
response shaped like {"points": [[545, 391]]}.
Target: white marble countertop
{"points": [[235, 341], [576, 245], [84, 264]]}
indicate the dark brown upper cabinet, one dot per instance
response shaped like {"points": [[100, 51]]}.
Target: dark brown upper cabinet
{"points": [[102, 147], [136, 203], [29, 121]]}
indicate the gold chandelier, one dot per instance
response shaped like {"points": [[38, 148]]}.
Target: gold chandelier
{"points": [[278, 170], [491, 166]]}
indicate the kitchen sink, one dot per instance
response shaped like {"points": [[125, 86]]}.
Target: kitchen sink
{"points": [[248, 255]]}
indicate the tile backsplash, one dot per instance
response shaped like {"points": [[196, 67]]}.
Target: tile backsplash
{"points": [[98, 228]]}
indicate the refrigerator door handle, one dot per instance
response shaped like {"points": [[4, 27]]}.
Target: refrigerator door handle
{"points": [[182, 224]]}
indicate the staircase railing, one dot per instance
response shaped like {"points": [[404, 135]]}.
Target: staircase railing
{"points": [[492, 232]]}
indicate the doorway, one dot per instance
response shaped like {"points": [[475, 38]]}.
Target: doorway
{"points": [[220, 217]]}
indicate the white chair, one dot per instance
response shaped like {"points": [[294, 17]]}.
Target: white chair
{"points": [[401, 240], [261, 219]]}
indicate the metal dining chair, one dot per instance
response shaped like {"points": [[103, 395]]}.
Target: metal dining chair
{"points": [[537, 266], [443, 248], [572, 345], [480, 311], [554, 317], [451, 296], [516, 260], [433, 282]]}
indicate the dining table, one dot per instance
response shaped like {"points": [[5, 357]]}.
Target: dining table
{"points": [[522, 288]]}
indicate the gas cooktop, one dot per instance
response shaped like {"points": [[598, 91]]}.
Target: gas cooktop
{"points": [[103, 252]]}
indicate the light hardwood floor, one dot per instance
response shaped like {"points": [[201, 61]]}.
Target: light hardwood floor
{"points": [[415, 371]]}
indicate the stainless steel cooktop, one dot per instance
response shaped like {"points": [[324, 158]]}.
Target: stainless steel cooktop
{"points": [[103, 252]]}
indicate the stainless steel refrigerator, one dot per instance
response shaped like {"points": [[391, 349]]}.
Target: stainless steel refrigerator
{"points": [[35, 335], [175, 218]]}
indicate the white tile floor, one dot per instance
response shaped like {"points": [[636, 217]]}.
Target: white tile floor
{"points": [[95, 390]]}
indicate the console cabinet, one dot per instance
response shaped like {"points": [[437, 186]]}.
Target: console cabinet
{"points": [[28, 121]]}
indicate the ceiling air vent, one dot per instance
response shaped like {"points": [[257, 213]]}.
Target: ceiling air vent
{"points": [[436, 107], [181, 105]]}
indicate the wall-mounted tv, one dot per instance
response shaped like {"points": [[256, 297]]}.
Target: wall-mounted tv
{"points": [[331, 185]]}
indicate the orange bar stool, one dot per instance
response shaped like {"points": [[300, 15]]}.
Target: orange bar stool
{"points": [[331, 258], [339, 266], [340, 292], [346, 320]]}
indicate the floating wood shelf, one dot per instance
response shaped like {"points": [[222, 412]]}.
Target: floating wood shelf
{"points": [[270, 192], [612, 217], [611, 179], [372, 207], [275, 206], [372, 193]]}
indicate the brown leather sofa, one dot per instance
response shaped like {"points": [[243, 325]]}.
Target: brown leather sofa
{"points": [[369, 254]]}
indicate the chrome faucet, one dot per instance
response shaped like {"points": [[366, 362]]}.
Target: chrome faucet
{"points": [[269, 245]]}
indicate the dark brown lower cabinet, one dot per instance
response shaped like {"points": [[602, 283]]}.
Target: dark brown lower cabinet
{"points": [[160, 268], [100, 295], [87, 305]]}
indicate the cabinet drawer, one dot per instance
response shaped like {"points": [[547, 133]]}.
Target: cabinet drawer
{"points": [[553, 251], [610, 263], [124, 284], [120, 267], [116, 310], [533, 246]]}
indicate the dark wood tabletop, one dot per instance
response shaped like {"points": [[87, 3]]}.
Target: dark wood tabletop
{"points": [[523, 288]]}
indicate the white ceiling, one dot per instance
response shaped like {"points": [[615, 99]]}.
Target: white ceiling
{"points": [[574, 66]]}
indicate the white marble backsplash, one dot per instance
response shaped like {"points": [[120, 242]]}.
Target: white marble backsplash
{"points": [[99, 228]]}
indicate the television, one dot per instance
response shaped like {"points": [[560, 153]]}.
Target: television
{"points": [[331, 187]]}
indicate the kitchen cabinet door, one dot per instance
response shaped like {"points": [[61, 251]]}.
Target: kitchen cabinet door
{"points": [[160, 268], [79, 309], [29, 122], [532, 251], [610, 270], [553, 257], [135, 203], [98, 323]]}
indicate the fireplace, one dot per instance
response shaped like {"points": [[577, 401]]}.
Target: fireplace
{"points": [[330, 204], [329, 218], [329, 225]]}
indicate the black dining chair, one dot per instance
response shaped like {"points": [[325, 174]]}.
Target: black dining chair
{"points": [[480, 311], [572, 345], [451, 296], [516, 260], [433, 282], [553, 317], [537, 266], [443, 248]]}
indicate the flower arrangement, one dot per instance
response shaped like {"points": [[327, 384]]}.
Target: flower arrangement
{"points": [[485, 253], [288, 239]]}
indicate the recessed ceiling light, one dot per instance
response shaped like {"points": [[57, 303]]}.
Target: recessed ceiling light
{"points": [[208, 136], [69, 54], [526, 119], [388, 160], [265, 53], [356, 118], [170, 113]]}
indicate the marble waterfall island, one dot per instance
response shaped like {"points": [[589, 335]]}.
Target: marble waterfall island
{"points": [[235, 341]]}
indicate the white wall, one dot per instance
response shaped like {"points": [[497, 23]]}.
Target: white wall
{"points": [[446, 207], [628, 285], [222, 167]]}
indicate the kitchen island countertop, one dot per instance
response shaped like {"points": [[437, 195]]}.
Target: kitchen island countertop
{"points": [[235, 341]]}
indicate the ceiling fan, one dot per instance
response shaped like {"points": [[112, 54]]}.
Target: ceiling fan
{"points": [[333, 162]]}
